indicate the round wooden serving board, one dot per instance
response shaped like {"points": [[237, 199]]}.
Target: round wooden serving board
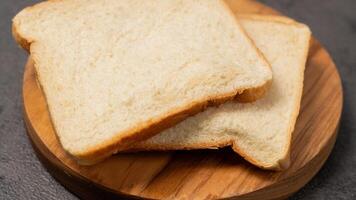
{"points": [[205, 174]]}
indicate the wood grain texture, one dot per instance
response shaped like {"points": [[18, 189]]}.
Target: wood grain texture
{"points": [[205, 174]]}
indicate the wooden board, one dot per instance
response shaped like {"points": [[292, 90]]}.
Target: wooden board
{"points": [[205, 174]]}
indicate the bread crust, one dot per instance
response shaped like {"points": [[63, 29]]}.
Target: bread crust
{"points": [[284, 161], [154, 126]]}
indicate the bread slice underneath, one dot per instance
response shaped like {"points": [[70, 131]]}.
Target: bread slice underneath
{"points": [[114, 72], [259, 131]]}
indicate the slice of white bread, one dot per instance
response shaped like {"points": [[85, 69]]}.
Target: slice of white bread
{"points": [[259, 131], [115, 72]]}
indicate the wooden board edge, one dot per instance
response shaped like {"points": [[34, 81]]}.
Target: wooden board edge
{"points": [[80, 185]]}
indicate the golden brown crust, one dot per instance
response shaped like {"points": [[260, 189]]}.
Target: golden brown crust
{"points": [[253, 94], [21, 41]]}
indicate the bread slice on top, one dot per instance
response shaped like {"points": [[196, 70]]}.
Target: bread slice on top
{"points": [[259, 131], [116, 72]]}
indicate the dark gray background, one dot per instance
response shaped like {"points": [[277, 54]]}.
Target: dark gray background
{"points": [[333, 22]]}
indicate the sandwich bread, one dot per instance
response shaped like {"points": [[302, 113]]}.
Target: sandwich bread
{"points": [[116, 72]]}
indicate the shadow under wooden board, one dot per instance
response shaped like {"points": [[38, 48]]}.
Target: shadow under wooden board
{"points": [[204, 174]]}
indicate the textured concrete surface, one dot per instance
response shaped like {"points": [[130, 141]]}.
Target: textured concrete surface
{"points": [[333, 22]]}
